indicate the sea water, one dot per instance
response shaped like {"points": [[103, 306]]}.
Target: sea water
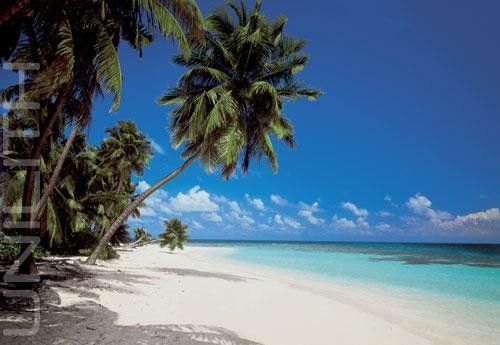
{"points": [[459, 281]]}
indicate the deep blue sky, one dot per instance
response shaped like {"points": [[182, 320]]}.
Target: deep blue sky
{"points": [[409, 125]]}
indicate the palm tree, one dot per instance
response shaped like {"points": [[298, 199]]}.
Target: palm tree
{"points": [[230, 101], [175, 235], [124, 152], [77, 41]]}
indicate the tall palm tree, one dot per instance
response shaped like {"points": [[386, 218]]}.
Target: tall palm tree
{"points": [[68, 35], [230, 102], [124, 152], [175, 234]]}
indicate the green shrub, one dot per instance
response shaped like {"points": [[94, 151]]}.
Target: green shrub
{"points": [[108, 253], [10, 251], [79, 240]]}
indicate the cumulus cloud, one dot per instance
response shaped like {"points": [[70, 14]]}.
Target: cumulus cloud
{"points": [[481, 218], [308, 212], [156, 203], [239, 215], [212, 217], [388, 198], [343, 223], [291, 222], [195, 200], [156, 147], [384, 214], [147, 211], [358, 212], [422, 206], [257, 203], [278, 200], [383, 226], [287, 221]]}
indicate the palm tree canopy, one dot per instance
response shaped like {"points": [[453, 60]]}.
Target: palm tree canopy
{"points": [[175, 235], [229, 104]]}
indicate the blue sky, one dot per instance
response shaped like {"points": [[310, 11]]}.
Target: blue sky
{"points": [[402, 146]]}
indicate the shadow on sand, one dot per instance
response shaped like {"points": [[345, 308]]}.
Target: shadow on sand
{"points": [[91, 323], [203, 274]]}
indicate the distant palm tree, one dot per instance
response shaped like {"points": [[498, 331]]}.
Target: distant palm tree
{"points": [[175, 235], [121, 236], [141, 236], [230, 101]]}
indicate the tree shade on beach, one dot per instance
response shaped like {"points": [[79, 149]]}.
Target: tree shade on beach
{"points": [[229, 104]]}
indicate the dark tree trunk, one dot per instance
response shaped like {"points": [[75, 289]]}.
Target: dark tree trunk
{"points": [[57, 171], [28, 265]]}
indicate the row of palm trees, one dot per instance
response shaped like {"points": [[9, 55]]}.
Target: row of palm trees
{"points": [[228, 106], [94, 186]]}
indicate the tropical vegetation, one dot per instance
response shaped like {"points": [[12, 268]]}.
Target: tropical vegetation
{"points": [[175, 234], [229, 103], [227, 110]]}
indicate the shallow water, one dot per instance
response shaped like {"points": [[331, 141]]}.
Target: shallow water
{"points": [[459, 282]]}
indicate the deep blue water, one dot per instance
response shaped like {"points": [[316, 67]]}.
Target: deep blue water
{"points": [[467, 271]]}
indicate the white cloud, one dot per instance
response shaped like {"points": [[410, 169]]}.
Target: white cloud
{"points": [[196, 200], [242, 218], [147, 212], [156, 147], [388, 198], [257, 203], [383, 226], [212, 217], [422, 206], [308, 212], [492, 214], [486, 217], [235, 207], [239, 215], [343, 222], [359, 212], [291, 222], [384, 214], [142, 186], [278, 200], [197, 225], [156, 203]]}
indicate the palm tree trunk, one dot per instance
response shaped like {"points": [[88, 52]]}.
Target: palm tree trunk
{"points": [[28, 265], [57, 171], [132, 206]]}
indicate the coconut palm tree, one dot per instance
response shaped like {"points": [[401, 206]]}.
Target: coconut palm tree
{"points": [[175, 235], [77, 41], [229, 104]]}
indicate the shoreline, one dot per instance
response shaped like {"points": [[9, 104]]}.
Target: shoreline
{"points": [[199, 296]]}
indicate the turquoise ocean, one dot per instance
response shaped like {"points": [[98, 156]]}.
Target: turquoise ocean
{"points": [[465, 276]]}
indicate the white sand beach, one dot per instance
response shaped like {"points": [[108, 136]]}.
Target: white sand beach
{"points": [[199, 296], [199, 287]]}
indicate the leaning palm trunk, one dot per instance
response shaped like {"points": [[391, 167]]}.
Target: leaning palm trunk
{"points": [[132, 206], [57, 171]]}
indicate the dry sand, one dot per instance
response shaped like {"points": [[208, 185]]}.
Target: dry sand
{"points": [[150, 296]]}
